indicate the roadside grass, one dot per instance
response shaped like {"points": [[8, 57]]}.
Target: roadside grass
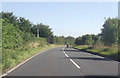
{"points": [[11, 58], [0, 59], [106, 51]]}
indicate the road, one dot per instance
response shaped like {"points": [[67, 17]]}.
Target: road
{"points": [[63, 61]]}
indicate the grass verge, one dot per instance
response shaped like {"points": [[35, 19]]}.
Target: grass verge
{"points": [[14, 57], [110, 52]]}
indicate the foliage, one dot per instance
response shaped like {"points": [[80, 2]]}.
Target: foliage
{"points": [[107, 51], [63, 40], [11, 38], [44, 30], [16, 40], [10, 58], [119, 39], [88, 39], [59, 40], [70, 40], [9, 18], [50, 39], [109, 32], [104, 42], [78, 41], [24, 25]]}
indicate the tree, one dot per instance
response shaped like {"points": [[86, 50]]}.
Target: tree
{"points": [[59, 40], [78, 41], [50, 39], [96, 38], [109, 32], [70, 40], [119, 39], [9, 17], [11, 36], [34, 30], [44, 30], [88, 39], [119, 32], [24, 25]]}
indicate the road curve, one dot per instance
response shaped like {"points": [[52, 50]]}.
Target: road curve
{"points": [[63, 61]]}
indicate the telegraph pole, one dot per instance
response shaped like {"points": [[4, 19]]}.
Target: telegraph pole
{"points": [[38, 31]]}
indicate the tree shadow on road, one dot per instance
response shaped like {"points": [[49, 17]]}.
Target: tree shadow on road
{"points": [[89, 58], [85, 58], [71, 50]]}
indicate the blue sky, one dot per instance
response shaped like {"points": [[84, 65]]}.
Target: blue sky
{"points": [[65, 18]]}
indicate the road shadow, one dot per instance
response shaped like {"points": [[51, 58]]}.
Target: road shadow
{"points": [[106, 58], [71, 51], [67, 50], [89, 58]]}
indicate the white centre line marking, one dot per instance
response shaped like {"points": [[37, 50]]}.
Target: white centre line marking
{"points": [[66, 55], [71, 59], [74, 63]]}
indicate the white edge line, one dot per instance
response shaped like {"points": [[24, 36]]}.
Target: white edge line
{"points": [[21, 64], [71, 59]]}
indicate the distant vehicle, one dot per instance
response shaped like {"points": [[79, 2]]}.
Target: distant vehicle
{"points": [[67, 45]]}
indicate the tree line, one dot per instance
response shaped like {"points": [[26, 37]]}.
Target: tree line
{"points": [[18, 40], [108, 36], [18, 31], [20, 37], [25, 28]]}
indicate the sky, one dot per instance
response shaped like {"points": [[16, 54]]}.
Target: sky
{"points": [[65, 18], [59, 0]]}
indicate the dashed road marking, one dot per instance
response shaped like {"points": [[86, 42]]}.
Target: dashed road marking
{"points": [[71, 60]]}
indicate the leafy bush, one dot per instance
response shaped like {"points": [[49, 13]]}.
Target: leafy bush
{"points": [[16, 39], [11, 36]]}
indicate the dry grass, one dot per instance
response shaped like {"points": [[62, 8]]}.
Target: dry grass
{"points": [[14, 57], [110, 51], [34, 44]]}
